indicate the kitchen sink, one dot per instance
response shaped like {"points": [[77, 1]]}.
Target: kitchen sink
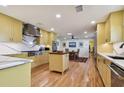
{"points": [[116, 57]]}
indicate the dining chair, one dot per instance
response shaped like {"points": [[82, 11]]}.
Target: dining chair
{"points": [[77, 54], [67, 50]]}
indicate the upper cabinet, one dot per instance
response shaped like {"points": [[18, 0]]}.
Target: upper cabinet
{"points": [[47, 38], [52, 37], [107, 31], [100, 33], [113, 28], [17, 31], [10, 29], [116, 25], [123, 27]]}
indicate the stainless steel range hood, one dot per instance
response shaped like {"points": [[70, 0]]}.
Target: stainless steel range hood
{"points": [[31, 30]]}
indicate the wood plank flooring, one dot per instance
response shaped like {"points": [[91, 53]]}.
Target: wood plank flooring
{"points": [[79, 75]]}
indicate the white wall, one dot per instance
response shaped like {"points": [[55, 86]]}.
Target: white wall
{"points": [[84, 50]]}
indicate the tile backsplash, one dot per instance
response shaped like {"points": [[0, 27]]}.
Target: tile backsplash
{"points": [[105, 48]]}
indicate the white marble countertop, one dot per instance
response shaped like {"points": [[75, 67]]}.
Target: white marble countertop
{"points": [[20, 46], [4, 50], [7, 62], [118, 62]]}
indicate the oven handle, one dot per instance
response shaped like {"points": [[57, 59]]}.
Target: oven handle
{"points": [[119, 76]]}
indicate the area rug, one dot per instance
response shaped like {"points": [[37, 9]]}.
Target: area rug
{"points": [[84, 60]]}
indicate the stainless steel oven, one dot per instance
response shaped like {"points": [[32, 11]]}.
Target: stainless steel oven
{"points": [[117, 76]]}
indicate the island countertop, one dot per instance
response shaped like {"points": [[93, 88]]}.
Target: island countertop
{"points": [[7, 62]]}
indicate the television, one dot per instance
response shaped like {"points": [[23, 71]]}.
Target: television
{"points": [[72, 44]]}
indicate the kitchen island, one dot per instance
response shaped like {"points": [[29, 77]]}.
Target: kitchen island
{"points": [[58, 61], [15, 72]]}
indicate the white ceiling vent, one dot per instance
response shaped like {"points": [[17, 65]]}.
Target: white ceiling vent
{"points": [[79, 8]]}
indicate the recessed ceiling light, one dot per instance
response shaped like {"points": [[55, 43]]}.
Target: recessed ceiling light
{"points": [[93, 22], [85, 32], [69, 34], [58, 15], [52, 29]]}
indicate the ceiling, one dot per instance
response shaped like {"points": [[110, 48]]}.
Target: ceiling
{"points": [[71, 21]]}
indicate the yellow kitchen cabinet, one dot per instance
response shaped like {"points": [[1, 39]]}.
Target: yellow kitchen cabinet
{"points": [[44, 37], [107, 30], [10, 29], [112, 29], [39, 59], [100, 65], [58, 62], [47, 38], [100, 33], [41, 38], [105, 72], [18, 76], [123, 27], [5, 28], [116, 25], [17, 31], [52, 37]]}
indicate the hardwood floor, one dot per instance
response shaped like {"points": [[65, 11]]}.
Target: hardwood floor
{"points": [[79, 75]]}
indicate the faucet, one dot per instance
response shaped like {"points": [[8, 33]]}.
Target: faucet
{"points": [[122, 45]]}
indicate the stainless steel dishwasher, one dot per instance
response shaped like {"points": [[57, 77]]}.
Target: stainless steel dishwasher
{"points": [[117, 76]]}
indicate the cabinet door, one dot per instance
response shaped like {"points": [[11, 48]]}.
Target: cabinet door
{"points": [[107, 30], [100, 33], [123, 27], [10, 29], [100, 65], [51, 38], [116, 21], [5, 28], [107, 75], [45, 38], [105, 72], [17, 31]]}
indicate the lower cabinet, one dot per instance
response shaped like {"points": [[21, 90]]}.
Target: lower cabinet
{"points": [[17, 76], [37, 60], [105, 72]]}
